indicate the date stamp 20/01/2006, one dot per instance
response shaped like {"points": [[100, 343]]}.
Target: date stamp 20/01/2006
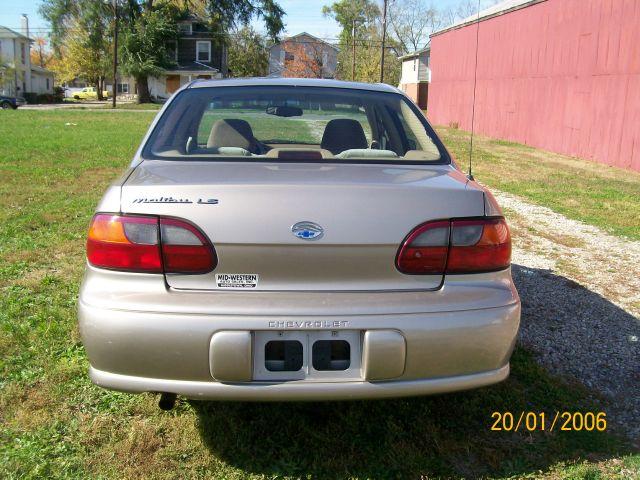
{"points": [[564, 421]]}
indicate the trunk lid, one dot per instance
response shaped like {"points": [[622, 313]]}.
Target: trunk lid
{"points": [[248, 209]]}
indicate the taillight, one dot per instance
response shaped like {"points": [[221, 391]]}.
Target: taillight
{"points": [[184, 248], [456, 246], [479, 246], [124, 243], [425, 249], [148, 244]]}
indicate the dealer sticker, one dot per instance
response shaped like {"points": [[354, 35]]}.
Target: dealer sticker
{"points": [[237, 280]]}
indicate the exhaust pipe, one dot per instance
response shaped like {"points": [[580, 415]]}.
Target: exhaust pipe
{"points": [[167, 401]]}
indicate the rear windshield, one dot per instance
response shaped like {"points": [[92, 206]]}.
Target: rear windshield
{"points": [[293, 123]]}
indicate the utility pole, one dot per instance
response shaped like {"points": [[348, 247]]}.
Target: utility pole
{"points": [[115, 54], [353, 52], [384, 37]]}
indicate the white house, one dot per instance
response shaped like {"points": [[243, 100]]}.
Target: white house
{"points": [[416, 75], [17, 75]]}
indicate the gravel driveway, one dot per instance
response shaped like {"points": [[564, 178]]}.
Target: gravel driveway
{"points": [[580, 290]]}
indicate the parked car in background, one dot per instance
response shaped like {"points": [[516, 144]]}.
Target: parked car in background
{"points": [[89, 93], [296, 239], [11, 102]]}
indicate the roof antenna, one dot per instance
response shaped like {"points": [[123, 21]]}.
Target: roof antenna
{"points": [[473, 107]]}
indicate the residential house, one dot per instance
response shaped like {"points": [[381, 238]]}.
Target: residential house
{"points": [[306, 48], [416, 75], [197, 53], [17, 75]]}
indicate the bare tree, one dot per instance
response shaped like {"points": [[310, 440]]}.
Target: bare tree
{"points": [[464, 9], [412, 21]]}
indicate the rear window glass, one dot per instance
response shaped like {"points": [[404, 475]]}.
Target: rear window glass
{"points": [[293, 123]]}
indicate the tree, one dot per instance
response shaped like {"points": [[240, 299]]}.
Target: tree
{"points": [[150, 24], [147, 25], [63, 66], [247, 55], [7, 77], [229, 14], [81, 29], [40, 55], [368, 57], [302, 59], [356, 18], [464, 9], [144, 51], [84, 58], [411, 22]]}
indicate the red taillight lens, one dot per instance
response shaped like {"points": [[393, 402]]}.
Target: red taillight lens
{"points": [[148, 244], [479, 246], [425, 249], [184, 248], [456, 246], [124, 243]]}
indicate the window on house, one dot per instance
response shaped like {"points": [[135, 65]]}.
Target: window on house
{"points": [[325, 58], [47, 84], [289, 57], [203, 51], [23, 54], [123, 88], [186, 28], [414, 64], [172, 49]]}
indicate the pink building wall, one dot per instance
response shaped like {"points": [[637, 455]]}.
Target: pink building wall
{"points": [[562, 75]]}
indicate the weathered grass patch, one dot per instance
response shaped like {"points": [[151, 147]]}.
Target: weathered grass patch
{"points": [[606, 197], [55, 424]]}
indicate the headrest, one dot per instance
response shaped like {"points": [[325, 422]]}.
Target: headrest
{"points": [[343, 134], [232, 132]]}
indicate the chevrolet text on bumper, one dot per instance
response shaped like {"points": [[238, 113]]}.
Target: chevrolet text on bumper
{"points": [[296, 239]]}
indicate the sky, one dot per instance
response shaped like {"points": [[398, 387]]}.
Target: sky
{"points": [[302, 16]]}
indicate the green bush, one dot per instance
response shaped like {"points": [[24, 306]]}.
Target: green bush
{"points": [[30, 97]]}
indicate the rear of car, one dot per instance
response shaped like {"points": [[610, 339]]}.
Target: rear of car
{"points": [[296, 240], [7, 103]]}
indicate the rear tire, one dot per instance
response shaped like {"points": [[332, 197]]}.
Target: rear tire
{"points": [[76, 97], [6, 106]]}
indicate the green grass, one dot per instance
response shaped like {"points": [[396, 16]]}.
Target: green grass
{"points": [[55, 424], [135, 106], [599, 195], [265, 127], [271, 129]]}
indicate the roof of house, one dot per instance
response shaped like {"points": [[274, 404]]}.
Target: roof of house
{"points": [[293, 82], [319, 40], [501, 8], [8, 33], [39, 69], [192, 67], [417, 53]]}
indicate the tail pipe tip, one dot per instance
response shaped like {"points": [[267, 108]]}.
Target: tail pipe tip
{"points": [[167, 401]]}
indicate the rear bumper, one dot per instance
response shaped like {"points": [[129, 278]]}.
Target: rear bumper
{"points": [[297, 391], [141, 337]]}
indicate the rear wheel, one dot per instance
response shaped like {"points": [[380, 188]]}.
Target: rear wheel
{"points": [[6, 105], [76, 97]]}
